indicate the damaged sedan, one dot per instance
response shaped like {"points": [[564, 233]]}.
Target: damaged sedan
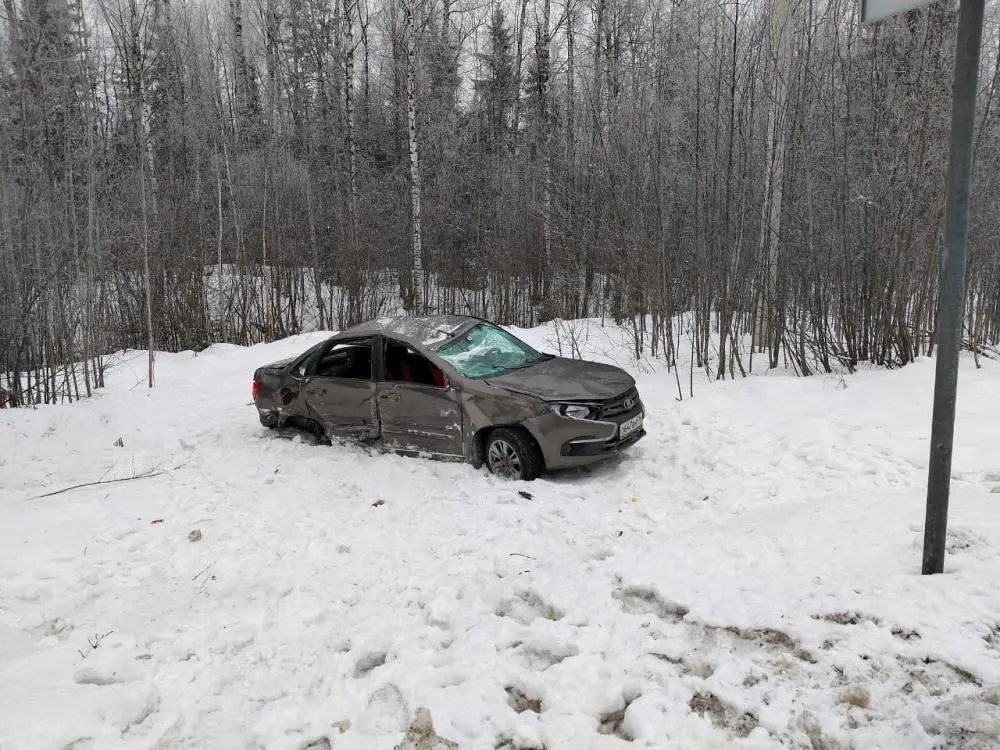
{"points": [[458, 388]]}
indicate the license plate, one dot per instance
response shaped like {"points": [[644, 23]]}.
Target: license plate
{"points": [[630, 426]]}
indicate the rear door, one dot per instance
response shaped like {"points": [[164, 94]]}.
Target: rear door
{"points": [[339, 392], [419, 410]]}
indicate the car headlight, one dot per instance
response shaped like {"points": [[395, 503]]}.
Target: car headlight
{"points": [[574, 411]]}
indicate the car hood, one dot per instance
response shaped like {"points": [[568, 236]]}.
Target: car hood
{"points": [[559, 379]]}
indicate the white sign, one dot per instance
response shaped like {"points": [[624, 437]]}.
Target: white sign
{"points": [[874, 10]]}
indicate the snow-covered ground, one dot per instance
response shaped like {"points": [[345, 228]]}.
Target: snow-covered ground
{"points": [[748, 576]]}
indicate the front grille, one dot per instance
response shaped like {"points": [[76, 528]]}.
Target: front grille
{"points": [[616, 406]]}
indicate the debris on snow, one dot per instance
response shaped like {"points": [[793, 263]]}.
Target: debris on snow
{"points": [[722, 715], [204, 570], [520, 702], [845, 618], [855, 695], [421, 735]]}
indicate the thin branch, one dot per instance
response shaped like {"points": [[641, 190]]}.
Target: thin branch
{"points": [[203, 570], [145, 475]]}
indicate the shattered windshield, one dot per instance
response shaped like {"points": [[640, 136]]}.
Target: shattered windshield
{"points": [[486, 350]]}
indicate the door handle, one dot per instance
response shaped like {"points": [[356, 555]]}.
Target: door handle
{"points": [[389, 396]]}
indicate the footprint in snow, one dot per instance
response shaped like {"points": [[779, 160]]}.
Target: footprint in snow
{"points": [[521, 702], [959, 539], [526, 607], [368, 663], [642, 600], [538, 657]]}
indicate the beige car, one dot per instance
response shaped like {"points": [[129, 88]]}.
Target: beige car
{"points": [[454, 387]]}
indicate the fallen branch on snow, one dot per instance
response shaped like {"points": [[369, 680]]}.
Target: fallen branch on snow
{"points": [[144, 475], [203, 570]]}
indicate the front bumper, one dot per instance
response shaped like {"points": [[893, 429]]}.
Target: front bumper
{"points": [[567, 442], [577, 449]]}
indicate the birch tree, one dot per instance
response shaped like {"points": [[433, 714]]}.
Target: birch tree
{"points": [[410, 32]]}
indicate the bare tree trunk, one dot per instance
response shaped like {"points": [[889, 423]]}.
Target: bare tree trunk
{"points": [[544, 96], [522, 19], [417, 271], [352, 150], [145, 165], [151, 340], [89, 324], [771, 329], [132, 29]]}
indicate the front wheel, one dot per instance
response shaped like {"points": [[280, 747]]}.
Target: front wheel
{"points": [[511, 453]]}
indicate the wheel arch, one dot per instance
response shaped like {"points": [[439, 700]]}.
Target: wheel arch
{"points": [[480, 436]]}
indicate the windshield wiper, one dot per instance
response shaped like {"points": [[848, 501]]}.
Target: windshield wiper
{"points": [[529, 363]]}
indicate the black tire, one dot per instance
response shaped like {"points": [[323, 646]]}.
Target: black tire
{"points": [[268, 419], [511, 453]]}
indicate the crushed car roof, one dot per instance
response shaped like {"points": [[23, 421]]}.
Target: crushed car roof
{"points": [[426, 330]]}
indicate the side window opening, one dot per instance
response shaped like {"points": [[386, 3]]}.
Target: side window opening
{"points": [[349, 359], [403, 365]]}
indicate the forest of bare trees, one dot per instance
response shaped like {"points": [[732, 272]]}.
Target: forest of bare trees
{"points": [[176, 173]]}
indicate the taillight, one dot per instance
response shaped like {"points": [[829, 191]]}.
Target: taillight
{"points": [[255, 389]]}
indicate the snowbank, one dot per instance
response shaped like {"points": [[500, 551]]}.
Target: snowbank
{"points": [[748, 576]]}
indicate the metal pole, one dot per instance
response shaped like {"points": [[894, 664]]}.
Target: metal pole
{"points": [[951, 309]]}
